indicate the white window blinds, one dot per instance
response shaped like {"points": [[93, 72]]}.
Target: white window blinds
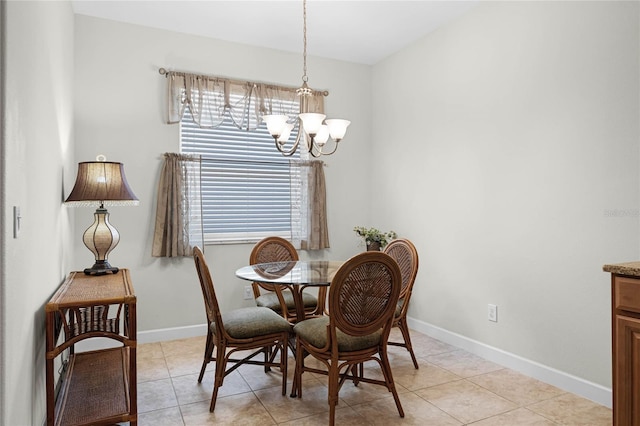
{"points": [[246, 182]]}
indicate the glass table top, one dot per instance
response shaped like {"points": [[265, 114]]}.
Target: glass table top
{"points": [[303, 272]]}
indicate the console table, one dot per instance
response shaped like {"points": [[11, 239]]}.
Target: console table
{"points": [[625, 322], [97, 387]]}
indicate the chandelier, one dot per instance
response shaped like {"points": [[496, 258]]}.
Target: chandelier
{"points": [[312, 127]]}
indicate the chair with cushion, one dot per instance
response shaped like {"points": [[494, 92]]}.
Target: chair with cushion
{"points": [[253, 328], [363, 296], [405, 254], [279, 297]]}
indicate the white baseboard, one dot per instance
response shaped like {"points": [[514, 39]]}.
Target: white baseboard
{"points": [[557, 378], [560, 379], [174, 333]]}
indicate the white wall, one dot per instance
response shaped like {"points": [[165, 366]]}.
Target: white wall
{"points": [[514, 135], [520, 132], [37, 136], [119, 112]]}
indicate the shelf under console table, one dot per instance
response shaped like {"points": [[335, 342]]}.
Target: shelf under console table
{"points": [[98, 387]]}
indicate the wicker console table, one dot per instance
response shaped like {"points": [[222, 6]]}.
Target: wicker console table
{"points": [[98, 387]]}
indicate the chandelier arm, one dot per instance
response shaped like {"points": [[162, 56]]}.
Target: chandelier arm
{"points": [[335, 148], [286, 153], [290, 152], [319, 152]]}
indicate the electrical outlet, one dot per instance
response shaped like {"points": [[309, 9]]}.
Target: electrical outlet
{"points": [[493, 313], [248, 292]]}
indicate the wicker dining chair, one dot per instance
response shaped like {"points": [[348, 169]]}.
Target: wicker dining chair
{"points": [[363, 296], [405, 254], [239, 330], [280, 297]]}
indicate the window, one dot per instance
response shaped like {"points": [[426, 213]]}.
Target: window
{"points": [[246, 182]]}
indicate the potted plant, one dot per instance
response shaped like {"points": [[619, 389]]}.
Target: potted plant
{"points": [[373, 238]]}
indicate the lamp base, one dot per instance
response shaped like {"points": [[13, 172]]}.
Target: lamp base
{"points": [[101, 267]]}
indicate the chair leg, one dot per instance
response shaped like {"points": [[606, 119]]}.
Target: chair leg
{"points": [[208, 351], [296, 387], [267, 357], [404, 328], [221, 363], [388, 377], [357, 371], [284, 348], [333, 391]]}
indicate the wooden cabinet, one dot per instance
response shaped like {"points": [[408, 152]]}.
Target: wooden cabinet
{"points": [[98, 387], [625, 321]]}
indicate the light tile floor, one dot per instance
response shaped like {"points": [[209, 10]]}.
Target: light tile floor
{"points": [[452, 387]]}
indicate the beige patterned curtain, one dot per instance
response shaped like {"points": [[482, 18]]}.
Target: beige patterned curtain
{"points": [[210, 98], [178, 226], [309, 206]]}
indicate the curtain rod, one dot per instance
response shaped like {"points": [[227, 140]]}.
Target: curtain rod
{"points": [[228, 160], [165, 72]]}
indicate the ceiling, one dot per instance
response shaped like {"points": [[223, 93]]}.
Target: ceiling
{"points": [[361, 31]]}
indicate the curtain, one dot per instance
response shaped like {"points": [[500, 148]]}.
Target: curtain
{"points": [[309, 206], [178, 227], [211, 98]]}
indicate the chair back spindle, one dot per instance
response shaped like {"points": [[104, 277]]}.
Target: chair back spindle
{"points": [[271, 249], [280, 298], [364, 295], [405, 254]]}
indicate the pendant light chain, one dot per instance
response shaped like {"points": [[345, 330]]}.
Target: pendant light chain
{"points": [[304, 40]]}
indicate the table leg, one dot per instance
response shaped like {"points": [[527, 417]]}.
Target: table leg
{"points": [[300, 316], [299, 303]]}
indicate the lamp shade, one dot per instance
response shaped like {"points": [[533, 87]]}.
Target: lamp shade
{"points": [[337, 128], [275, 124], [101, 182], [311, 122]]}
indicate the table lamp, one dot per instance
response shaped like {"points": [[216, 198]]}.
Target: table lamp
{"points": [[101, 183]]}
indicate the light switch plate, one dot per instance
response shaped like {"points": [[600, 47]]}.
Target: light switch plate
{"points": [[493, 313], [16, 221]]}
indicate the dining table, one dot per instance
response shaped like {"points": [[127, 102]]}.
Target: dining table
{"points": [[295, 275]]}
